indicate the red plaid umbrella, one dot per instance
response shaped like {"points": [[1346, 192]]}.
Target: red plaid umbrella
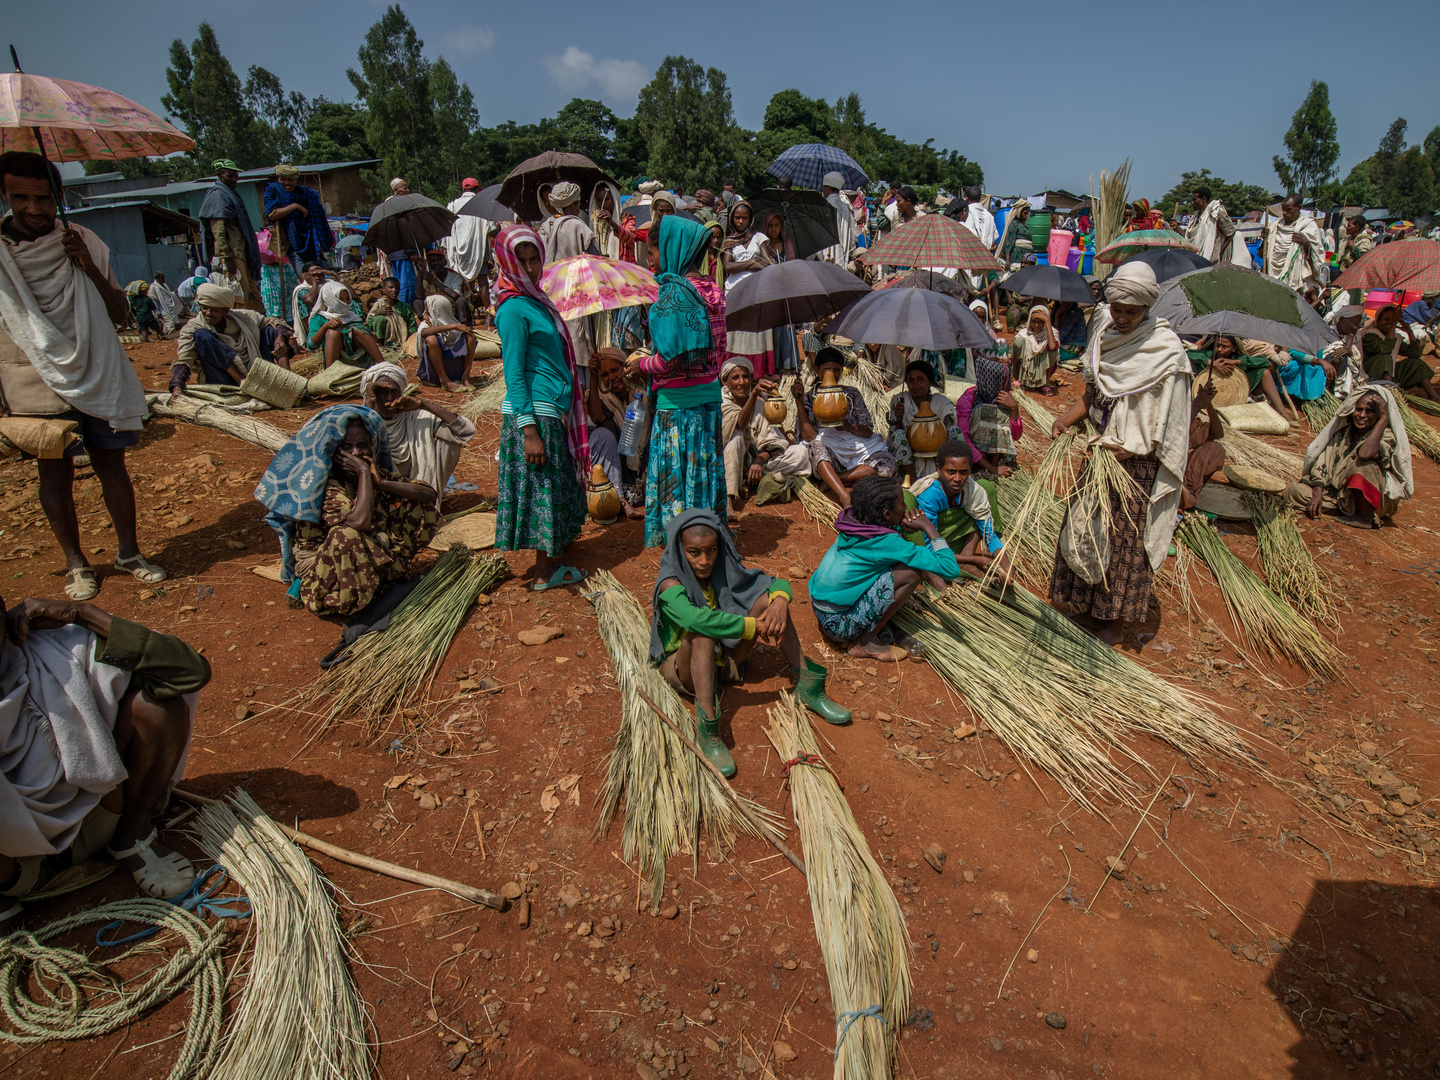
{"points": [[932, 240], [1402, 264]]}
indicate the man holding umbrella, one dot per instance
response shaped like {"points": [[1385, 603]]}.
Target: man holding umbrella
{"points": [[232, 234]]}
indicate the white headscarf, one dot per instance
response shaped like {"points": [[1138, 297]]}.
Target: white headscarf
{"points": [[331, 306], [387, 372], [1133, 283], [1399, 481], [439, 312]]}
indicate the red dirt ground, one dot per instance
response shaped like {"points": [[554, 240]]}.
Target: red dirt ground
{"points": [[1268, 935]]}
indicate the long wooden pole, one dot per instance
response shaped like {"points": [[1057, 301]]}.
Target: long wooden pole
{"points": [[379, 866], [760, 827]]}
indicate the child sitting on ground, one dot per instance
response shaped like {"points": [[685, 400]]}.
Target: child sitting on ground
{"points": [[963, 508], [709, 610], [871, 570]]}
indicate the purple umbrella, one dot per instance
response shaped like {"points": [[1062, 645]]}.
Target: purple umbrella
{"points": [[917, 318], [792, 292]]}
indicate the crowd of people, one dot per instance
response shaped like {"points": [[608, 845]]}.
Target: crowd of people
{"points": [[682, 415]]}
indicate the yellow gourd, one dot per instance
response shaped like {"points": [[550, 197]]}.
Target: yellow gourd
{"points": [[832, 404], [926, 432], [604, 501]]}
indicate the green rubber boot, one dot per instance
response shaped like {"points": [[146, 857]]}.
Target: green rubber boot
{"points": [[707, 737], [810, 690]]}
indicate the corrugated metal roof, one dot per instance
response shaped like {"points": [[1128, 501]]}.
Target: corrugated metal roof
{"points": [[255, 174]]}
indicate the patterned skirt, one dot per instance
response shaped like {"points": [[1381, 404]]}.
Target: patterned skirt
{"points": [[351, 566], [846, 626], [1128, 573], [540, 508], [276, 285], [686, 470]]}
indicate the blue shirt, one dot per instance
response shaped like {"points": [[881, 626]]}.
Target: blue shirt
{"points": [[934, 502], [852, 564], [1419, 312]]}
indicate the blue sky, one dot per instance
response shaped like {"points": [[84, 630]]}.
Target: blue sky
{"points": [[1043, 94]]}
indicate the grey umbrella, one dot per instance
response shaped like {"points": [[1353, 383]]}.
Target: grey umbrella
{"points": [[1228, 292], [916, 318], [486, 205], [790, 292], [407, 223]]}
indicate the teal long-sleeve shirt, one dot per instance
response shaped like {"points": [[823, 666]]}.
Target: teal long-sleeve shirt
{"points": [[537, 379], [852, 564]]}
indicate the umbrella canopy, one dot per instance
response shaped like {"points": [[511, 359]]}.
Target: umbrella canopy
{"points": [[521, 189], [808, 163], [408, 223], [1171, 262], [642, 215], [1414, 264], [916, 318], [809, 220], [1133, 243], [1400, 228], [354, 241], [1050, 283], [585, 284], [931, 240], [925, 279], [72, 121], [486, 204], [798, 291], [1228, 299]]}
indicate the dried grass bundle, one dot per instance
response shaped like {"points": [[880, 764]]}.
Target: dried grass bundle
{"points": [[870, 379], [669, 797], [820, 507], [1041, 418], [1030, 540], [1424, 404], [1053, 693], [1320, 411], [1243, 449], [299, 1015], [858, 922], [490, 396], [1109, 202], [1290, 570], [383, 673], [1266, 621], [1422, 436]]}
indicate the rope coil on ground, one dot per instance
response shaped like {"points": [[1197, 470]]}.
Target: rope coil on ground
{"points": [[66, 981]]}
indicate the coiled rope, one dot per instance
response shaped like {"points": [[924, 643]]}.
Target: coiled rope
{"points": [[77, 998]]}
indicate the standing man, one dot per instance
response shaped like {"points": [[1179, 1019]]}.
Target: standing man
{"points": [[465, 246], [1211, 231], [1295, 248], [298, 215], [1355, 240], [566, 234], [233, 237], [978, 219], [839, 252], [167, 302], [60, 359]]}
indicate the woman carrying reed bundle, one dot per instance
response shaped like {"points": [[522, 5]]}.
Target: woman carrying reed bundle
{"points": [[871, 570], [1358, 467], [347, 524], [709, 611], [1137, 391], [544, 440], [920, 389]]}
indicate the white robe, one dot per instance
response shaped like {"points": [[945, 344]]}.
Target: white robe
{"points": [[1212, 234], [465, 246], [1287, 262], [839, 252]]}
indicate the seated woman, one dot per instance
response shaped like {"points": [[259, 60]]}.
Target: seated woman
{"points": [[754, 448], [220, 343], [338, 331], [871, 570], [1388, 351], [390, 319], [447, 348], [1255, 359], [920, 383], [425, 438], [606, 399], [964, 509], [709, 611], [1207, 452], [844, 455], [988, 417], [1358, 467], [1036, 351], [96, 714], [347, 525]]}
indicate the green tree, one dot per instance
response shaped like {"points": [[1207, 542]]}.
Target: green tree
{"points": [[631, 151], [206, 99], [334, 131], [1381, 164], [455, 118], [1238, 199], [284, 115], [852, 133], [1311, 146], [1411, 188], [1432, 146], [585, 126], [685, 115], [393, 81], [1358, 189]]}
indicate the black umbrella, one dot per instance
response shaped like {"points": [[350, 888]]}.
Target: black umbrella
{"points": [[521, 189], [913, 317], [642, 214], [1049, 282], [790, 292], [407, 223], [1170, 262], [486, 204], [809, 220]]}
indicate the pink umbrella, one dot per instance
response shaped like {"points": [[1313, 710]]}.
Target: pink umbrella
{"points": [[586, 284]]}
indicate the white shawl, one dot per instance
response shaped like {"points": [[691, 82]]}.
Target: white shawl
{"points": [[1287, 262], [425, 449], [57, 318], [168, 301], [1399, 480], [1212, 234], [465, 246]]}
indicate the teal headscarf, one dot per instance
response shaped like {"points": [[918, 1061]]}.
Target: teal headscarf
{"points": [[679, 319]]}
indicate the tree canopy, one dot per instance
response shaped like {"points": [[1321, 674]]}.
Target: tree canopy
{"points": [[1238, 199], [1311, 144]]}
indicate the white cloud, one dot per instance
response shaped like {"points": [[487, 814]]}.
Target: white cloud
{"points": [[576, 70], [470, 40]]}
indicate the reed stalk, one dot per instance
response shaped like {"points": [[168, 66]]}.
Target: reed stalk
{"points": [[1290, 570]]}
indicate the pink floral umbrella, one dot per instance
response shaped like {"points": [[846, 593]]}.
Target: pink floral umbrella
{"points": [[586, 284]]}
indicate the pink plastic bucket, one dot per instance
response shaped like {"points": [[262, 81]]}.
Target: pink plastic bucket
{"points": [[1059, 247]]}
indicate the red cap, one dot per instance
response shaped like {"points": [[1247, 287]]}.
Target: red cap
{"points": [[470, 184]]}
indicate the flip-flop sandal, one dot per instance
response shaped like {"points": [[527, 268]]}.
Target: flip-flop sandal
{"points": [[141, 569], [566, 575], [82, 584]]}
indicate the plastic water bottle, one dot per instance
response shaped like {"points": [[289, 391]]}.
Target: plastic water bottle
{"points": [[633, 430]]}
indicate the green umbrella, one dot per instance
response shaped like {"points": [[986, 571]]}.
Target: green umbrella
{"points": [[1227, 299]]}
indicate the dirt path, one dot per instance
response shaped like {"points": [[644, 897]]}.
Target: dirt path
{"points": [[1253, 933]]}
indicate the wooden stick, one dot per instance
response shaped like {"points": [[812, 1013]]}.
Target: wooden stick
{"points": [[760, 827], [379, 866]]}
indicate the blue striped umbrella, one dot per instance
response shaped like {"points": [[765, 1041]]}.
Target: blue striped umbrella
{"points": [[808, 163]]}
